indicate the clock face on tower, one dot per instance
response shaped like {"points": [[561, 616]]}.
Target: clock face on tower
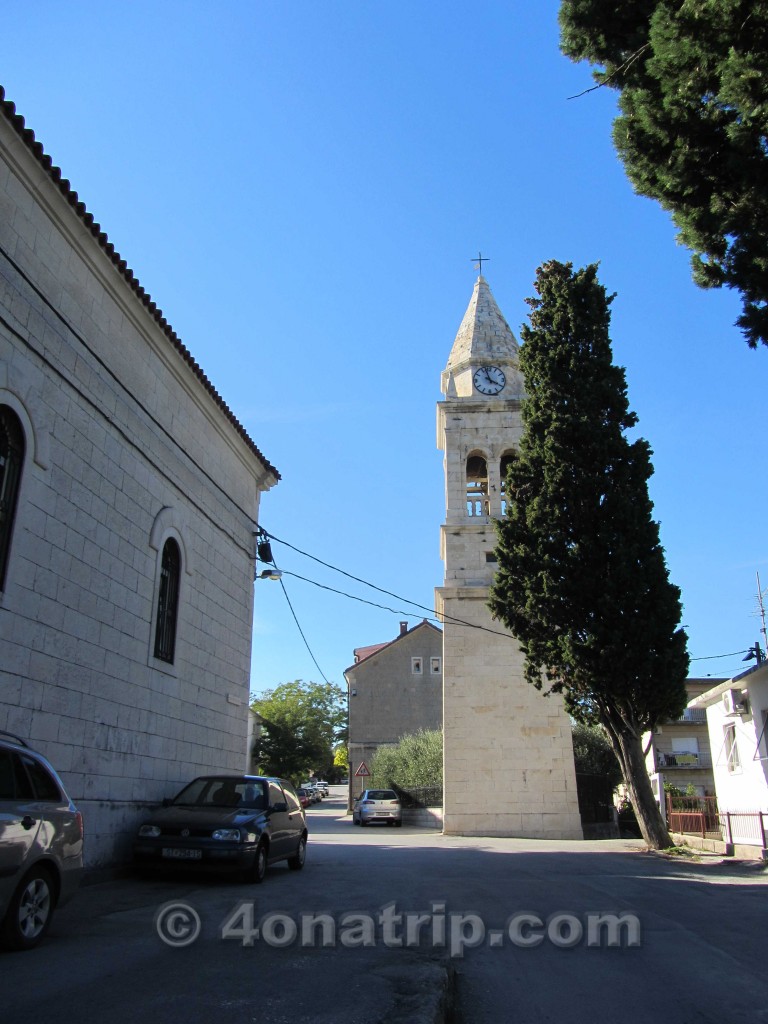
{"points": [[489, 380]]}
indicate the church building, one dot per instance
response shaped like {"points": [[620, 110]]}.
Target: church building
{"points": [[129, 501], [508, 752]]}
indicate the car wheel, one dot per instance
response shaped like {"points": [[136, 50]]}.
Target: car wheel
{"points": [[30, 911], [296, 863], [399, 824], [362, 823], [259, 864], [355, 821]]}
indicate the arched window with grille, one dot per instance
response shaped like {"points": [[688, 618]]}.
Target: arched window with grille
{"points": [[477, 486], [506, 460], [168, 602], [11, 461]]}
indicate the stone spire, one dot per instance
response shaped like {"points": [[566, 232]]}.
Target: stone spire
{"points": [[484, 335], [483, 339]]}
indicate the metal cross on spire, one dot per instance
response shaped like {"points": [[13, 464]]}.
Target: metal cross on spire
{"points": [[479, 260]]}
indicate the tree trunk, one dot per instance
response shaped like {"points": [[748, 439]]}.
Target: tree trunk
{"points": [[647, 811]]}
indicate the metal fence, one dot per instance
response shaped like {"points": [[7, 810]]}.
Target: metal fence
{"points": [[701, 816], [595, 796], [747, 827], [420, 796], [694, 815]]}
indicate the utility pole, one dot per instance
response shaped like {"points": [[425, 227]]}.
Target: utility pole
{"points": [[762, 612]]}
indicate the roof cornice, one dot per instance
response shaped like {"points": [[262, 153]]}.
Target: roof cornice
{"points": [[16, 121], [739, 682]]}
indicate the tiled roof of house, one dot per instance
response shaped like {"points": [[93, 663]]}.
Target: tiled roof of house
{"points": [[363, 653], [63, 184]]}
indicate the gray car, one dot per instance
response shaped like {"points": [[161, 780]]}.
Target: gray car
{"points": [[41, 844]]}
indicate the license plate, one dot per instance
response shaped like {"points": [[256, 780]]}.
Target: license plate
{"points": [[181, 854]]}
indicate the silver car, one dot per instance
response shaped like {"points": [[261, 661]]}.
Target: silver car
{"points": [[41, 844], [378, 805]]}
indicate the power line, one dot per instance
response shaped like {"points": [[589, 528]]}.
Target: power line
{"points": [[433, 615], [349, 575], [301, 631], [714, 657], [384, 607], [352, 597], [397, 611]]}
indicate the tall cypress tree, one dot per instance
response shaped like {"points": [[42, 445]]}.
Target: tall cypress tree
{"points": [[693, 95], [582, 580]]}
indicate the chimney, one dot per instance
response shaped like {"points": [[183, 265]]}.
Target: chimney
{"points": [[403, 628]]}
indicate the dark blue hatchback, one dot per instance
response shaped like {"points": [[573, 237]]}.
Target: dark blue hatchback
{"points": [[239, 823]]}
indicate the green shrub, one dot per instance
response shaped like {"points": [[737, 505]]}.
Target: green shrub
{"points": [[417, 760]]}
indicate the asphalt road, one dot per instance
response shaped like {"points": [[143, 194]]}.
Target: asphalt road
{"points": [[367, 930]]}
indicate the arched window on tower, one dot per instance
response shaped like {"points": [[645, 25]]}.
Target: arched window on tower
{"points": [[168, 602], [11, 460], [506, 460], [477, 486]]}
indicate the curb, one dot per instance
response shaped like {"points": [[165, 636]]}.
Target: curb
{"points": [[425, 992]]}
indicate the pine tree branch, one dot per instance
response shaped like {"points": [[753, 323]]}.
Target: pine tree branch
{"points": [[623, 67]]}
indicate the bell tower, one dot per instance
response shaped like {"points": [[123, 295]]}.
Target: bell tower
{"points": [[508, 754]]}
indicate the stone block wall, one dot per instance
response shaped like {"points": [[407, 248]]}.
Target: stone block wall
{"points": [[508, 752]]}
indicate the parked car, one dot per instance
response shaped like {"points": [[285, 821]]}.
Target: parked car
{"points": [[313, 791], [236, 823], [305, 798], [323, 786], [377, 805], [41, 844]]}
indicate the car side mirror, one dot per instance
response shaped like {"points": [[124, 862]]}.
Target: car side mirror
{"points": [[280, 806]]}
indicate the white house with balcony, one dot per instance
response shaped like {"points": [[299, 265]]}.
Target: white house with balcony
{"points": [[737, 713], [678, 753]]}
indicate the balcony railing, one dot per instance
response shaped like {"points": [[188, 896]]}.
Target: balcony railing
{"points": [[684, 759], [698, 715]]}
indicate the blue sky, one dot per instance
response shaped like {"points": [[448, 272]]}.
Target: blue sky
{"points": [[301, 186]]}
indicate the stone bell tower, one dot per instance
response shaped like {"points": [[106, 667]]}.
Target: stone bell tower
{"points": [[508, 754]]}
